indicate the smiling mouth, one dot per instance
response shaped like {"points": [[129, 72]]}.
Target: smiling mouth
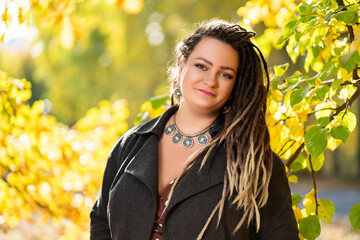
{"points": [[206, 92]]}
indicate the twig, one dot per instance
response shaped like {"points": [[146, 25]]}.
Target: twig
{"points": [[314, 183], [280, 151], [347, 103], [295, 155], [322, 109]]}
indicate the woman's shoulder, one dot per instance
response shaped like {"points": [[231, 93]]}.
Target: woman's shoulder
{"points": [[278, 169]]}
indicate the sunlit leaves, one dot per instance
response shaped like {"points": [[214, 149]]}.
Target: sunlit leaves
{"points": [[348, 119], [299, 94], [341, 132], [316, 140], [299, 164], [309, 227], [316, 163], [49, 168], [52, 13], [348, 17], [326, 210], [296, 199], [354, 217], [322, 91], [152, 108], [317, 31], [350, 60]]}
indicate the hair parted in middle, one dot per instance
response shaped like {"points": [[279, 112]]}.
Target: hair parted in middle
{"points": [[245, 134]]}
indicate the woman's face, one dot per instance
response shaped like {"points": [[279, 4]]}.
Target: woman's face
{"points": [[208, 76]]}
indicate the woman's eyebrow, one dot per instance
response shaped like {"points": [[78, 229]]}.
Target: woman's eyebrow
{"points": [[211, 64]]}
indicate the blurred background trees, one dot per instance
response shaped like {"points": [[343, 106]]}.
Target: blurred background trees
{"points": [[76, 53]]}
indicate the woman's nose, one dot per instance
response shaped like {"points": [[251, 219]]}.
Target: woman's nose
{"points": [[211, 80]]}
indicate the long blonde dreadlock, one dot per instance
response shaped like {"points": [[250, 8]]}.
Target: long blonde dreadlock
{"points": [[245, 134]]}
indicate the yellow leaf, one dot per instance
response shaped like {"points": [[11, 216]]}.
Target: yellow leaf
{"points": [[333, 143], [349, 119], [309, 198], [297, 212], [303, 116], [322, 113], [344, 93], [342, 73], [293, 178], [278, 95], [273, 107]]}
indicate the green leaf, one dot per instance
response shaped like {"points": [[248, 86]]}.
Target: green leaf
{"points": [[350, 60], [275, 81], [308, 19], [327, 70], [316, 140], [290, 27], [298, 164], [321, 92], [317, 162], [281, 69], [296, 199], [349, 119], [348, 17], [326, 210], [309, 227], [323, 121], [310, 80], [280, 40], [340, 132], [292, 83], [303, 6], [158, 101], [299, 94], [336, 83], [354, 217]]}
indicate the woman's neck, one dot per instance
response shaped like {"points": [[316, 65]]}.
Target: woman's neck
{"points": [[191, 122]]}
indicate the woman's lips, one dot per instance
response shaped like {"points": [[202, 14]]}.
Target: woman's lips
{"points": [[206, 92]]}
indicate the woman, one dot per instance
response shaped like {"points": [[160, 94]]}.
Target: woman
{"points": [[204, 169]]}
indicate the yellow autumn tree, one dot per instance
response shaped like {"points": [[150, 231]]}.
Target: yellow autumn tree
{"points": [[47, 168]]}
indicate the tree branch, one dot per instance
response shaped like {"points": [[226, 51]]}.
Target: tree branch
{"points": [[281, 150], [314, 183], [332, 116], [340, 108]]}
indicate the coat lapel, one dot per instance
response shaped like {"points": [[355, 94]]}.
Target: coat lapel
{"points": [[144, 165], [195, 181]]}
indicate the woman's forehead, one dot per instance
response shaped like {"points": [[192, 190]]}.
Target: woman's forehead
{"points": [[215, 51]]}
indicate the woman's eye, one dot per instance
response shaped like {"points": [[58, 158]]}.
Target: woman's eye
{"points": [[200, 66], [226, 75]]}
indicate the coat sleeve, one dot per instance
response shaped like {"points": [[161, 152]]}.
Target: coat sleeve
{"points": [[99, 226], [277, 217]]}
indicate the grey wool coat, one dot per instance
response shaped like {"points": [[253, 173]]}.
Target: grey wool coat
{"points": [[126, 206]]}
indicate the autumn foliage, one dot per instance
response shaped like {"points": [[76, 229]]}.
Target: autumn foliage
{"points": [[48, 168]]}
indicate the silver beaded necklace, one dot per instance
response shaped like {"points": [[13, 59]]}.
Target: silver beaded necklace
{"points": [[188, 142]]}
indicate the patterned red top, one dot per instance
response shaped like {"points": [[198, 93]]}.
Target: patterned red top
{"points": [[161, 204]]}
